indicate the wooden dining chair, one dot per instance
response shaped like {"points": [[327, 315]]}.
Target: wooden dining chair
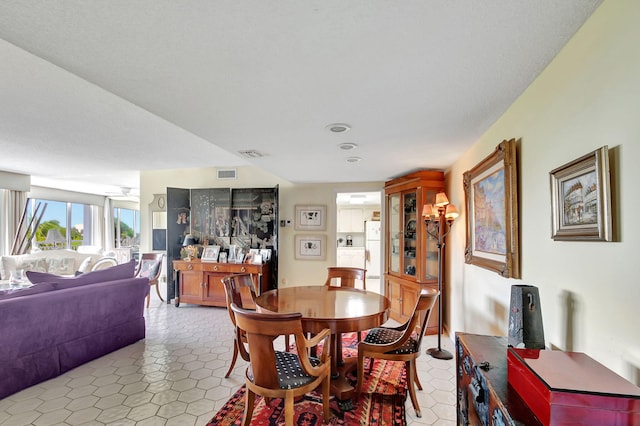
{"points": [[346, 277], [399, 344], [235, 286], [150, 266], [279, 374]]}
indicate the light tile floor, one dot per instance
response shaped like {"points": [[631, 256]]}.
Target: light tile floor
{"points": [[176, 377]]}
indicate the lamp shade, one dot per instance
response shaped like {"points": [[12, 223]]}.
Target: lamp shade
{"points": [[427, 210], [452, 212], [54, 237], [441, 199], [189, 240]]}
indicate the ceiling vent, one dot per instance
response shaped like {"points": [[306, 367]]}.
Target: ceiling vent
{"points": [[251, 153], [227, 173]]}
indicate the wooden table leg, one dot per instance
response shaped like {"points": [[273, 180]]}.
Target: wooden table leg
{"points": [[340, 386]]}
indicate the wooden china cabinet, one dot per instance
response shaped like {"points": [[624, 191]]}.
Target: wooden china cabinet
{"points": [[411, 255]]}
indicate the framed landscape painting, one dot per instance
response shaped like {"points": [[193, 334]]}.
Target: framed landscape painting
{"points": [[491, 191], [581, 199]]}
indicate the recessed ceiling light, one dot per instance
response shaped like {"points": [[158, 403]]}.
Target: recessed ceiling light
{"points": [[353, 159], [338, 127], [347, 146]]}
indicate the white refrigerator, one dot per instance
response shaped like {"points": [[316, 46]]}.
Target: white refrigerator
{"points": [[372, 248]]}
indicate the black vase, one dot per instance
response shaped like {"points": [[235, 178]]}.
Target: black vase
{"points": [[525, 318]]}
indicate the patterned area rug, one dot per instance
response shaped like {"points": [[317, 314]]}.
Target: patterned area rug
{"points": [[381, 402]]}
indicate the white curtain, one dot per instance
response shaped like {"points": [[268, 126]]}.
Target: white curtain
{"points": [[98, 226], [12, 205], [108, 234]]}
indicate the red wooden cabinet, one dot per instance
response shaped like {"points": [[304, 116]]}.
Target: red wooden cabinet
{"points": [[571, 388]]}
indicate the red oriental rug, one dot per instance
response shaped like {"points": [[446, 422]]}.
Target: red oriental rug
{"points": [[381, 402]]}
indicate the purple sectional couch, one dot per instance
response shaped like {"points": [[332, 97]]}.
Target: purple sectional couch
{"points": [[60, 324]]}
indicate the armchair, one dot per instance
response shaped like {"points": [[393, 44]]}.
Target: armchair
{"points": [[399, 344], [278, 374], [150, 266]]}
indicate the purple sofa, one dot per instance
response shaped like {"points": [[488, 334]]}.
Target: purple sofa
{"points": [[56, 326]]}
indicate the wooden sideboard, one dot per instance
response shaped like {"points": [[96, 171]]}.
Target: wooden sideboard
{"points": [[484, 394], [200, 282]]}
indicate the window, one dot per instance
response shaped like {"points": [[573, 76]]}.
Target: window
{"points": [[126, 224], [60, 224]]}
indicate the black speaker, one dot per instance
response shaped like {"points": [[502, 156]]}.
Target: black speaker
{"points": [[525, 318]]}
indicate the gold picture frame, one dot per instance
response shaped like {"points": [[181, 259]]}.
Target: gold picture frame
{"points": [[491, 191], [581, 199]]}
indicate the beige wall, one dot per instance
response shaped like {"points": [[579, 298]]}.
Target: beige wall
{"points": [[589, 96], [291, 272]]}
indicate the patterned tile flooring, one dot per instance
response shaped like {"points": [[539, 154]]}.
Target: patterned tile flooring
{"points": [[176, 377]]}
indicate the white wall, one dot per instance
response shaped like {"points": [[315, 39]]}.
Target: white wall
{"points": [[291, 272], [589, 96]]}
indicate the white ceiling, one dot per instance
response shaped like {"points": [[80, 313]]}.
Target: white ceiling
{"points": [[93, 92]]}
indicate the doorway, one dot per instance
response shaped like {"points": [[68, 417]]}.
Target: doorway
{"points": [[359, 241]]}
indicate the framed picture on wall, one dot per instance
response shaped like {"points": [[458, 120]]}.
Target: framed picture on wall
{"points": [[491, 192], [311, 218], [581, 199], [311, 247]]}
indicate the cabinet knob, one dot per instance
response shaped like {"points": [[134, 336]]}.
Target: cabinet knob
{"points": [[243, 269], [190, 267], [215, 268]]}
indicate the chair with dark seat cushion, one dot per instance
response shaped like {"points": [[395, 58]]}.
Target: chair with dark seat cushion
{"points": [[399, 344], [235, 286], [150, 266], [279, 374]]}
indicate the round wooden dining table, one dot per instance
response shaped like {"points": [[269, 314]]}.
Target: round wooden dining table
{"points": [[340, 309]]}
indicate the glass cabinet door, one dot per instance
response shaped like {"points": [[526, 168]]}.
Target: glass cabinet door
{"points": [[410, 226], [431, 245], [394, 233]]}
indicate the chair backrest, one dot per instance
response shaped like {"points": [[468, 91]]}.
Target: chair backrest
{"points": [[233, 288], [346, 277], [422, 313], [260, 331], [150, 266]]}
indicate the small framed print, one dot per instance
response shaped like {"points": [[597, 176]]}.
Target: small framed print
{"points": [[257, 259], [249, 258], [210, 253], [239, 257], [223, 257], [311, 218], [311, 247], [581, 199]]}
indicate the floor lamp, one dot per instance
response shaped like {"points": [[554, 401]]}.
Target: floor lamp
{"points": [[438, 219]]}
